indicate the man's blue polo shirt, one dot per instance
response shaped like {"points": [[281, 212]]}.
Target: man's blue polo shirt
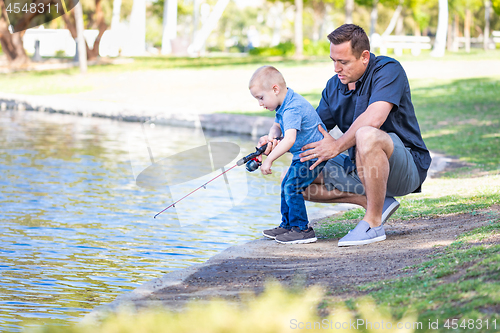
{"points": [[384, 80], [297, 113]]}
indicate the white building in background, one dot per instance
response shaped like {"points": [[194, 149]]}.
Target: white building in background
{"points": [[54, 41]]}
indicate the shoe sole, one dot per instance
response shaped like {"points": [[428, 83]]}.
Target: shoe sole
{"points": [[299, 241], [390, 210], [268, 236], [362, 242]]}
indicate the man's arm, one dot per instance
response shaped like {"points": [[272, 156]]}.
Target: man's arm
{"points": [[283, 146], [374, 116]]}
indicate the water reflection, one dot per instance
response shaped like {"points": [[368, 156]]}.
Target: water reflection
{"points": [[76, 231]]}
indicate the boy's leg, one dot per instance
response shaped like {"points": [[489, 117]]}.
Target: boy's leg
{"points": [[285, 220], [285, 226], [298, 179]]}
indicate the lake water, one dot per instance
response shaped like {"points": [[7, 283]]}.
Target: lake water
{"points": [[76, 230]]}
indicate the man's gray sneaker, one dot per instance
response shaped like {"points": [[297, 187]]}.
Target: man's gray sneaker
{"points": [[272, 233], [390, 206], [297, 236], [363, 234]]}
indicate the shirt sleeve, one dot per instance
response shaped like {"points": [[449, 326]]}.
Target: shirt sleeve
{"points": [[292, 118], [389, 84], [323, 109]]}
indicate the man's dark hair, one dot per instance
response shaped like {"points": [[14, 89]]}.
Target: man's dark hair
{"points": [[353, 33]]}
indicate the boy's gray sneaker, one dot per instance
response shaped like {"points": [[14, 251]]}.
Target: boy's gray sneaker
{"points": [[363, 234], [272, 233], [390, 206], [297, 236]]}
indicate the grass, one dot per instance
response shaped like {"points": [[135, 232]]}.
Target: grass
{"points": [[461, 282]]}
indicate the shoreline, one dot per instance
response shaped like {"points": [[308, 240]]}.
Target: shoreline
{"points": [[254, 126]]}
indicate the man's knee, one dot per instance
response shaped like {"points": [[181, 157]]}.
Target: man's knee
{"points": [[369, 138]]}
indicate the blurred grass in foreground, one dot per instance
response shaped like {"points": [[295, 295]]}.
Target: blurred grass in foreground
{"points": [[276, 310]]}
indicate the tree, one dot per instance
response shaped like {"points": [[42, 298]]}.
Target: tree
{"points": [[98, 14], [12, 44], [486, 33], [496, 6], [12, 41], [442, 30], [299, 39]]}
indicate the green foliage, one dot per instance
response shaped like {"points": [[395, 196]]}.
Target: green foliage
{"points": [[282, 49], [496, 6], [60, 53], [183, 8], [321, 48]]}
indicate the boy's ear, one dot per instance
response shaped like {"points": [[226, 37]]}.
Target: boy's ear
{"points": [[276, 89]]}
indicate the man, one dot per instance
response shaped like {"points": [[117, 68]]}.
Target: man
{"points": [[369, 100]]}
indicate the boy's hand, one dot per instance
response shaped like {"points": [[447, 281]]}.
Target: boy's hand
{"points": [[263, 141], [265, 168]]}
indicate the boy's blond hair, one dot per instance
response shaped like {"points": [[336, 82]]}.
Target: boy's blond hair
{"points": [[267, 77]]}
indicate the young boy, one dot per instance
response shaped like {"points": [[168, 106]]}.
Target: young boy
{"points": [[298, 122]]}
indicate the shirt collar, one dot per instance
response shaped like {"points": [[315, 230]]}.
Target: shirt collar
{"points": [[288, 96], [370, 63]]}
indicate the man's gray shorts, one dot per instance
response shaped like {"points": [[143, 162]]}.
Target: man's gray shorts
{"points": [[403, 174]]}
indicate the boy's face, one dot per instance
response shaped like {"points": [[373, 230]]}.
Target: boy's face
{"points": [[268, 98]]}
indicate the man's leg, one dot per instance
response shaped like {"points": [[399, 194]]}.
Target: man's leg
{"points": [[317, 192], [374, 147]]}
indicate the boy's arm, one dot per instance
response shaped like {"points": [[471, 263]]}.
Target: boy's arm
{"points": [[282, 147], [274, 132]]}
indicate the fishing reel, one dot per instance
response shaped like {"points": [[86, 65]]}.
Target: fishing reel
{"points": [[251, 161], [253, 165]]}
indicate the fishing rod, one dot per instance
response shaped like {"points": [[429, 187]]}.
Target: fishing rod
{"points": [[252, 164]]}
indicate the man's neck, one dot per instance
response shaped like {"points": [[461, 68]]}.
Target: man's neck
{"points": [[352, 85]]}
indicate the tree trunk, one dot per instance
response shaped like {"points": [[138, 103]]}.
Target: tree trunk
{"points": [[82, 50], [278, 10], [169, 26], [456, 33], [115, 20], [373, 18], [393, 21], [442, 30], [319, 11], [349, 8], [449, 37], [136, 43], [467, 22], [98, 18], [12, 44], [486, 34], [400, 26], [299, 44], [207, 28], [416, 29]]}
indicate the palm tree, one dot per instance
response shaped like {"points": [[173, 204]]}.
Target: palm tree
{"points": [[442, 30]]}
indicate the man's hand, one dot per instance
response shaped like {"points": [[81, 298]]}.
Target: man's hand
{"points": [[264, 140], [323, 150], [265, 168]]}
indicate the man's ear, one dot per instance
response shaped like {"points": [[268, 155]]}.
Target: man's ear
{"points": [[365, 56], [276, 89]]}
